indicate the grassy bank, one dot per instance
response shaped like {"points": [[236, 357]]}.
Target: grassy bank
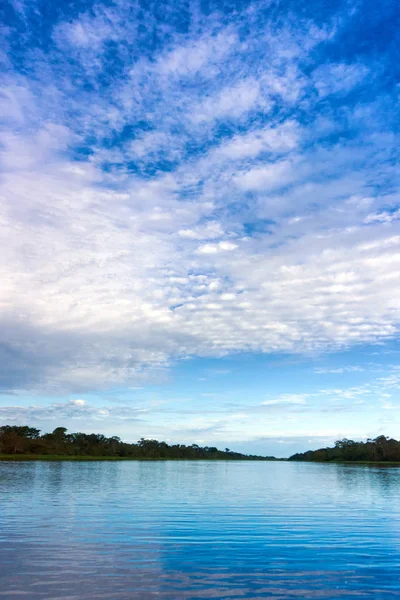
{"points": [[58, 457], [348, 462], [52, 457], [365, 462]]}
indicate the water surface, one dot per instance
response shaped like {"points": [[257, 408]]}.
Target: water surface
{"points": [[232, 530]]}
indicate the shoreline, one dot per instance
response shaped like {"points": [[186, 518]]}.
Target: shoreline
{"points": [[56, 457], [82, 458], [346, 462]]}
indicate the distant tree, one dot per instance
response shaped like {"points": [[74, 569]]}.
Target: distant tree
{"points": [[21, 430], [16, 439], [381, 448], [60, 434]]}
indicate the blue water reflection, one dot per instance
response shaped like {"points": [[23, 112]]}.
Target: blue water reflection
{"points": [[127, 530]]}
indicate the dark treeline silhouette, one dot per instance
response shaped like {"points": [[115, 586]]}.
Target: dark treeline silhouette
{"points": [[380, 449], [24, 440]]}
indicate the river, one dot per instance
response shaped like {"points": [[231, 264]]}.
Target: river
{"points": [[185, 530]]}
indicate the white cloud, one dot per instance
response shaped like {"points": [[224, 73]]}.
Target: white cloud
{"points": [[286, 399], [78, 402], [230, 102], [224, 246], [148, 143], [198, 55], [210, 230], [267, 178], [382, 217], [339, 78], [340, 370], [146, 219], [77, 414], [277, 139]]}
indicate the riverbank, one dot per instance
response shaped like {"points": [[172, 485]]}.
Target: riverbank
{"points": [[57, 457], [357, 462]]}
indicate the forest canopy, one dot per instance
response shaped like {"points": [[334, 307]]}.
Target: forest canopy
{"points": [[25, 440], [380, 449]]}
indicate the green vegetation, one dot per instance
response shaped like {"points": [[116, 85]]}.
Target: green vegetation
{"points": [[381, 449], [23, 442], [27, 443]]}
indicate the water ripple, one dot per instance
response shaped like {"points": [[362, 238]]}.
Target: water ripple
{"points": [[198, 530]]}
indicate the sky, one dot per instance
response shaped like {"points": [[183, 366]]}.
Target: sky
{"points": [[200, 220]]}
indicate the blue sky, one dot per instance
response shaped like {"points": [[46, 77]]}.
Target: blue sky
{"points": [[200, 220]]}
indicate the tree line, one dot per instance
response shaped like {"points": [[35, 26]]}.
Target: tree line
{"points": [[25, 440], [380, 449]]}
